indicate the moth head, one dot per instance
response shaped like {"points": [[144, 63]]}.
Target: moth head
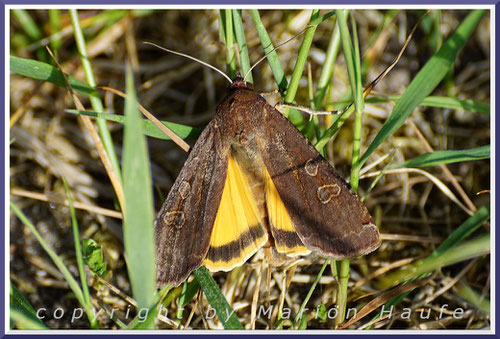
{"points": [[240, 83]]}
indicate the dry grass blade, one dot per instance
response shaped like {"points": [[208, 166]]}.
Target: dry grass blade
{"points": [[444, 168], [79, 205], [168, 321], [25, 103], [449, 285], [117, 291], [382, 270], [193, 310], [385, 297], [414, 238], [113, 177], [369, 88], [432, 178], [255, 299]]}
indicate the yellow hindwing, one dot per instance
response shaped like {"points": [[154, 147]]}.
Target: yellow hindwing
{"points": [[237, 233], [285, 237]]}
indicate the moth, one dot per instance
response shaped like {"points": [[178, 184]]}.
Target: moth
{"points": [[253, 180]]}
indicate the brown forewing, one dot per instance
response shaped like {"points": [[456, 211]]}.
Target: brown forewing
{"points": [[184, 224], [328, 217]]}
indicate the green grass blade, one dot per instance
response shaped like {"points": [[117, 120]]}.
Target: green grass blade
{"points": [[217, 300], [447, 157], [138, 215], [26, 318], [78, 253], [454, 239], [298, 69], [468, 250], [425, 81], [55, 26], [55, 258], [32, 31], [447, 102], [347, 48], [327, 68], [242, 44], [95, 100], [300, 63], [267, 45], [352, 58], [41, 71], [226, 22], [359, 102], [27, 23], [472, 296], [148, 127], [24, 321], [442, 102], [299, 315], [189, 293], [319, 19]]}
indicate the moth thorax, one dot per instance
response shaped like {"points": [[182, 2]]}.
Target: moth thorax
{"points": [[243, 138]]}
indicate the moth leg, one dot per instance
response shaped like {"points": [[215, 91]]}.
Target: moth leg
{"points": [[311, 111]]}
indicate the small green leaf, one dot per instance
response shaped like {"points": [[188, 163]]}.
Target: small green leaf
{"points": [[94, 257], [321, 313]]}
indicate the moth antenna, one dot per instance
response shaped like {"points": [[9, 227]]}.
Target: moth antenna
{"points": [[275, 48], [192, 58]]}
